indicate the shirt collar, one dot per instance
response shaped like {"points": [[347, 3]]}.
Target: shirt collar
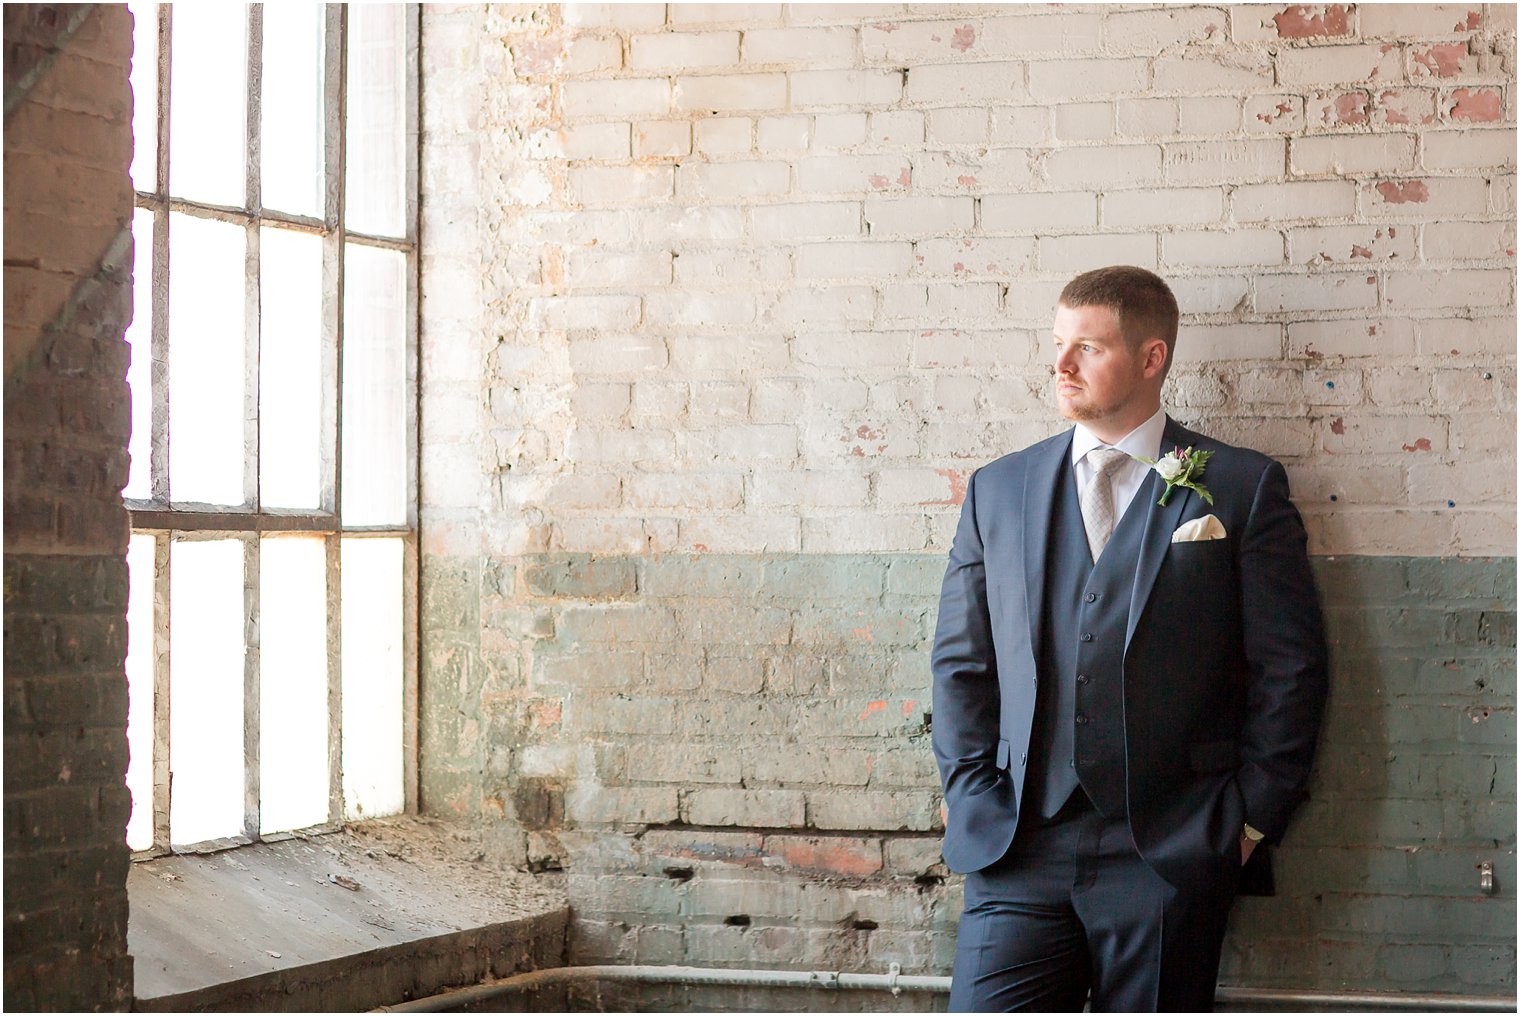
{"points": [[1143, 441]]}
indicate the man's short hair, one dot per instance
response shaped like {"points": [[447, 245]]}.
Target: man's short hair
{"points": [[1143, 303]]}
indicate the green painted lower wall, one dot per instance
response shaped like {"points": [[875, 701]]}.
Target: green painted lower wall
{"points": [[727, 754]]}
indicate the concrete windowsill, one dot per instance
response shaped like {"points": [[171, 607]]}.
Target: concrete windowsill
{"points": [[266, 926]]}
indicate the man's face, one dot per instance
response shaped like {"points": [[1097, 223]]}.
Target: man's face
{"points": [[1099, 377]]}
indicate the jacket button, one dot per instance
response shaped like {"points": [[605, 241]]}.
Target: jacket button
{"points": [[1087, 636], [1081, 719], [1092, 597], [1023, 758], [1083, 679]]}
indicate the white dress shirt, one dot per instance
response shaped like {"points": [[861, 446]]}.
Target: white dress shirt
{"points": [[1143, 440]]}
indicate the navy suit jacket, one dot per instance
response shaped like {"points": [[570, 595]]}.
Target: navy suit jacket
{"points": [[1224, 672]]}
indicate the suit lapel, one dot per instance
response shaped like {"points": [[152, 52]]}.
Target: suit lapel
{"points": [[1041, 483], [1160, 524]]}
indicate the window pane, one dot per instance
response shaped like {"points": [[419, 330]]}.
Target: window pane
{"points": [[206, 368], [292, 682], [140, 373], [374, 387], [208, 84], [372, 678], [206, 641], [375, 200], [140, 690], [291, 134], [290, 369], [144, 95]]}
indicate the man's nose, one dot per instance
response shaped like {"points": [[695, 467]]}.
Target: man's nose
{"points": [[1064, 361]]}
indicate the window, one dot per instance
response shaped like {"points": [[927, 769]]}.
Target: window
{"points": [[273, 557]]}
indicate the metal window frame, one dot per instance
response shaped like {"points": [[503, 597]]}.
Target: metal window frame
{"points": [[169, 521]]}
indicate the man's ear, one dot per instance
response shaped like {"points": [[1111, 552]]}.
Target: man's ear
{"points": [[1153, 354]]}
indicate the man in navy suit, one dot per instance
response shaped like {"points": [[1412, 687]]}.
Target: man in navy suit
{"points": [[1128, 682]]}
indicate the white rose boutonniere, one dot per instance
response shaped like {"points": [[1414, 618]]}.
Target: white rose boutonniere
{"points": [[1181, 467]]}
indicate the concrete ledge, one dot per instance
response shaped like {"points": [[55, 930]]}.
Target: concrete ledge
{"points": [[374, 914]]}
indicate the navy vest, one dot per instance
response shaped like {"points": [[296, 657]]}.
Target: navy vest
{"points": [[1078, 735]]}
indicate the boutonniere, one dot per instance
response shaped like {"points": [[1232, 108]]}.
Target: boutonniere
{"points": [[1181, 467]]}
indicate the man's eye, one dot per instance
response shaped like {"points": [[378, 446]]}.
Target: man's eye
{"points": [[1087, 349]]}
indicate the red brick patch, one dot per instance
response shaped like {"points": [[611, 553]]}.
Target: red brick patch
{"points": [[842, 855], [1312, 21]]}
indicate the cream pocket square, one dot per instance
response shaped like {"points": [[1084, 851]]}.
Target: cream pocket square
{"points": [[1206, 528]]}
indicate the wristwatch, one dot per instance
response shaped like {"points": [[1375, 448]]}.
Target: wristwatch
{"points": [[1253, 834]]}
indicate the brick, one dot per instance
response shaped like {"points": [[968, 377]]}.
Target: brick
{"points": [[1207, 161], [1086, 79], [1384, 435], [1197, 343], [726, 135], [1421, 199], [595, 268], [683, 50], [743, 14], [1336, 65], [1307, 200], [618, 353], [1350, 245], [853, 173], [1379, 21], [1342, 291], [1274, 114], [920, 42], [793, 45], [1456, 288], [1230, 71], [1343, 154], [1461, 336], [1150, 32], [839, 855], [1357, 337], [1084, 121], [1208, 115], [853, 260], [897, 127], [601, 186], [918, 215], [1032, 213], [621, 98], [1467, 241], [1468, 149], [854, 88], [721, 93], [1021, 125], [768, 809], [1075, 254], [958, 125], [1110, 165], [1163, 206], [782, 134], [873, 810], [1397, 107], [1214, 249], [726, 180], [938, 84], [661, 139], [839, 132], [962, 256], [807, 488], [1054, 33], [621, 16], [1144, 118]]}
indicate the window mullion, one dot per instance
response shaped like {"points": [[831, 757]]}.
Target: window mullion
{"points": [[409, 610], [253, 201], [161, 703], [334, 545], [158, 455], [335, 97], [251, 656]]}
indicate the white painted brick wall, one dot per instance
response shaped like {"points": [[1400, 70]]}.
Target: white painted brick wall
{"points": [[745, 277]]}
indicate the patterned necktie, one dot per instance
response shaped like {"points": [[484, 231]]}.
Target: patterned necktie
{"points": [[1098, 513]]}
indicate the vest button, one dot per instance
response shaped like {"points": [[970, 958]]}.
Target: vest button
{"points": [[1081, 719], [1092, 597], [1083, 679], [1087, 636]]}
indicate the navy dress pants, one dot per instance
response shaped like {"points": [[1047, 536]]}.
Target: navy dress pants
{"points": [[1072, 909]]}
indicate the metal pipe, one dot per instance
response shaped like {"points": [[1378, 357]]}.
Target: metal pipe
{"points": [[896, 982]]}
